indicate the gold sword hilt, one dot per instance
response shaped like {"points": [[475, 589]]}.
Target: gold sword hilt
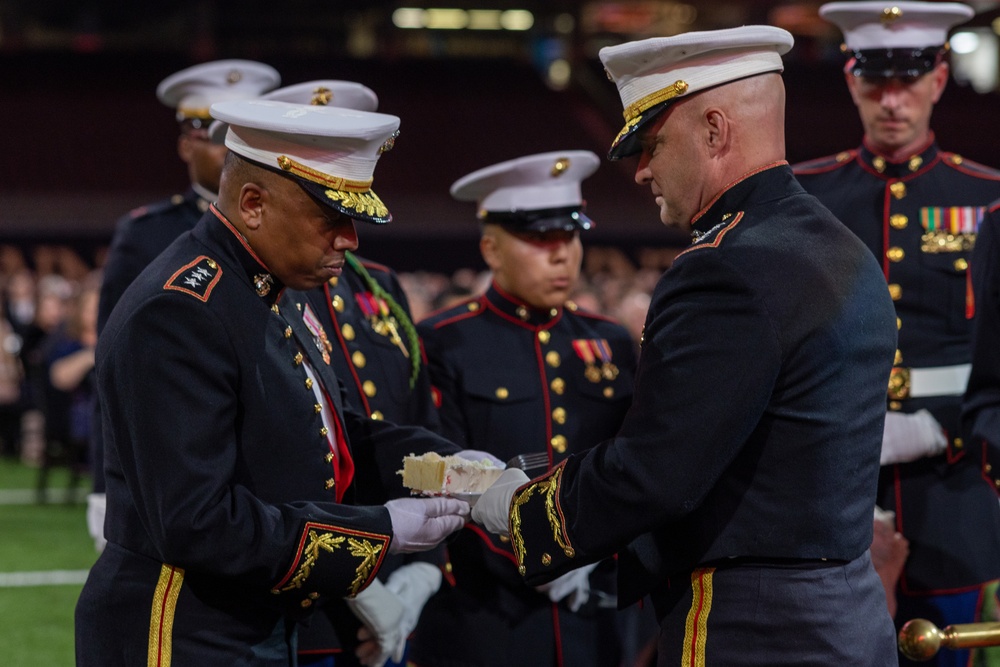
{"points": [[920, 640]]}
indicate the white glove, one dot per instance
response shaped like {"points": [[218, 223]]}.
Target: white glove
{"points": [[574, 585], [477, 455], [382, 614], [419, 524], [97, 504], [493, 508], [413, 584], [908, 437]]}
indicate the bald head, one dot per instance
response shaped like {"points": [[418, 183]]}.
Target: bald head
{"points": [[704, 143]]}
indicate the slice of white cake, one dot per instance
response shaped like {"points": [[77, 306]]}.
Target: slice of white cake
{"points": [[433, 473]]}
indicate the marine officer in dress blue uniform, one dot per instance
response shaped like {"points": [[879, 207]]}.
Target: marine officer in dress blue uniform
{"points": [[375, 352], [522, 370], [229, 447], [739, 490], [917, 208], [146, 231]]}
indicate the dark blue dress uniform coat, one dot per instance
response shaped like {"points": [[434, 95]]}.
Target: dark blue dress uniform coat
{"points": [[372, 355], [223, 520], [918, 218], [515, 380], [755, 426], [139, 238], [981, 411]]}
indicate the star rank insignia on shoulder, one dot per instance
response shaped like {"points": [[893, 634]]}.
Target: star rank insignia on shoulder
{"points": [[197, 278]]}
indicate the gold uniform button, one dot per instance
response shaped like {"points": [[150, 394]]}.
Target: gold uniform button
{"points": [[609, 392], [546, 559], [895, 405], [333, 281], [895, 291], [314, 596], [843, 156], [330, 483], [288, 332], [177, 199], [553, 312], [571, 305], [898, 190], [899, 324], [309, 383], [504, 539], [553, 359], [298, 359], [559, 444], [447, 567], [898, 221], [543, 337], [324, 431], [570, 552], [502, 393], [987, 468], [558, 386], [377, 416], [915, 162], [522, 313], [348, 331], [559, 416], [961, 264], [958, 443], [359, 359], [306, 603], [956, 159], [879, 164], [898, 359], [369, 388], [329, 457], [473, 307], [338, 303], [895, 254], [275, 309]]}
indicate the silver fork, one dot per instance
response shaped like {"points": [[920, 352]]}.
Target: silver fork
{"points": [[529, 461]]}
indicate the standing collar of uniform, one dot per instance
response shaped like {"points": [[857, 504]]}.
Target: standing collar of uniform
{"points": [[765, 183], [221, 233], [879, 164], [519, 312]]}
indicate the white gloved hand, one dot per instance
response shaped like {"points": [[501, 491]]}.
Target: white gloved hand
{"points": [[493, 508], [477, 455], [908, 437], [419, 524], [574, 585], [413, 584], [97, 504], [382, 614]]}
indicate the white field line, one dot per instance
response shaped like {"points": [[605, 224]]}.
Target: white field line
{"points": [[45, 578]]}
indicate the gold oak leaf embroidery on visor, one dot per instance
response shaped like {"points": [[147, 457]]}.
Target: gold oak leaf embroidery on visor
{"points": [[363, 202], [550, 487]]}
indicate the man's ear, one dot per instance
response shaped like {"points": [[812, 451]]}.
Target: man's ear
{"points": [[488, 247], [939, 76], [251, 204], [717, 129], [185, 148]]}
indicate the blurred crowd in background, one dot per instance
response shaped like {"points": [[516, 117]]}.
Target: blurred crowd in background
{"points": [[49, 296]]}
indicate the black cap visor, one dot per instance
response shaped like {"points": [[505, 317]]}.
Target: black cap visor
{"points": [[542, 220], [895, 63]]}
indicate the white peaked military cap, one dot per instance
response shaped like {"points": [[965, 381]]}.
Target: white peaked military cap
{"points": [[194, 90], [322, 92], [887, 39], [653, 73], [536, 192], [330, 151]]}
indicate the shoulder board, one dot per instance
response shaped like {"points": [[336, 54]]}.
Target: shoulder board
{"points": [[156, 207], [969, 166], [460, 311], [589, 314], [828, 163], [197, 278]]}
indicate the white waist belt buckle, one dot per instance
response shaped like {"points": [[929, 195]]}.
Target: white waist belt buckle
{"points": [[939, 381]]}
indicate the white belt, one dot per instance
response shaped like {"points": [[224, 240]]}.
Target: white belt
{"points": [[939, 380]]}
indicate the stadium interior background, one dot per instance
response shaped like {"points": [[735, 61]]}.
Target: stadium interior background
{"points": [[84, 139]]}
